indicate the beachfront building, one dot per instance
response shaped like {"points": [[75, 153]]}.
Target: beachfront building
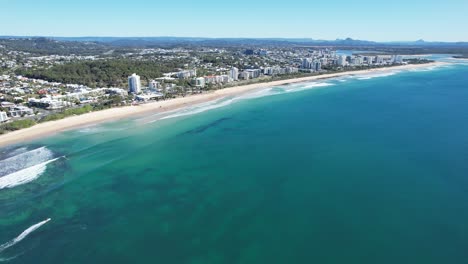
{"points": [[234, 74], [317, 65], [379, 60], [397, 59], [154, 85], [312, 64], [20, 111], [149, 97], [134, 84], [277, 70], [186, 74], [3, 117], [341, 60], [306, 63], [357, 60], [254, 73], [198, 82], [116, 91], [48, 103]]}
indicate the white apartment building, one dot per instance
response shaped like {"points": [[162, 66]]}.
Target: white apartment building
{"points": [[134, 84]]}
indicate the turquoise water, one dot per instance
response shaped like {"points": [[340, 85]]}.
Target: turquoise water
{"points": [[368, 169]]}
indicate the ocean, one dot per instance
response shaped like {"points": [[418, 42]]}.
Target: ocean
{"points": [[362, 169]]}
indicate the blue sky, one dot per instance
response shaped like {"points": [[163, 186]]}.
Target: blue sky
{"points": [[326, 19]]}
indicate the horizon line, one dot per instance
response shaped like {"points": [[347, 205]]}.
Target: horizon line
{"points": [[214, 38]]}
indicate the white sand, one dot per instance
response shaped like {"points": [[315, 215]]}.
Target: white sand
{"points": [[49, 128]]}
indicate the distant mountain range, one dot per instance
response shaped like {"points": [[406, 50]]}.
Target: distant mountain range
{"points": [[164, 41]]}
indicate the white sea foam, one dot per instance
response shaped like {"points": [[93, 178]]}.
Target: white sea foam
{"points": [[8, 153], [24, 160], [96, 129], [375, 75], [261, 93], [278, 90], [24, 176], [429, 68], [227, 101], [308, 86], [23, 235], [201, 108], [24, 167]]}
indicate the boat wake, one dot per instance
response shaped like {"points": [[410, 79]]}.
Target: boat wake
{"points": [[24, 167], [6, 259], [22, 236]]}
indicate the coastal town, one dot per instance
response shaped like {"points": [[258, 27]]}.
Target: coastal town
{"points": [[193, 71]]}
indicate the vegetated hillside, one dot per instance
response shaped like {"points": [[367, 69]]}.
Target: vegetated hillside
{"points": [[45, 46], [100, 73]]}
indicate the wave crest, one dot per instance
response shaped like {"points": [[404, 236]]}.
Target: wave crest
{"points": [[24, 167], [199, 108], [24, 160]]}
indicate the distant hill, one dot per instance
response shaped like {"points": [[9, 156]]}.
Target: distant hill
{"points": [[148, 41], [46, 46], [101, 45]]}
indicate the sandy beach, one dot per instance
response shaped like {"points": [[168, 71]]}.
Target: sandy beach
{"points": [[52, 127]]}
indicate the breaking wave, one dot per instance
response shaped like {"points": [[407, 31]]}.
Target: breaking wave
{"points": [[24, 167], [201, 108], [22, 236], [375, 75], [229, 100], [24, 159], [278, 90], [308, 86]]}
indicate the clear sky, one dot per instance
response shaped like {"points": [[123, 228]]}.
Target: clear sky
{"points": [[376, 20]]}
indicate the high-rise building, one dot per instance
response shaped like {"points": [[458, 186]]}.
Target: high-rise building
{"points": [[398, 59], [134, 84], [234, 74], [341, 60], [306, 63], [317, 66], [357, 60], [379, 60]]}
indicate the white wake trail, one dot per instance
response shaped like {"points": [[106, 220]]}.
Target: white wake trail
{"points": [[23, 235], [7, 259]]}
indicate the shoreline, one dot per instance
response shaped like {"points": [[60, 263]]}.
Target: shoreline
{"points": [[114, 114]]}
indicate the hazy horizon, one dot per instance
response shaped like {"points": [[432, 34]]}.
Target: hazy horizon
{"points": [[227, 37]]}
